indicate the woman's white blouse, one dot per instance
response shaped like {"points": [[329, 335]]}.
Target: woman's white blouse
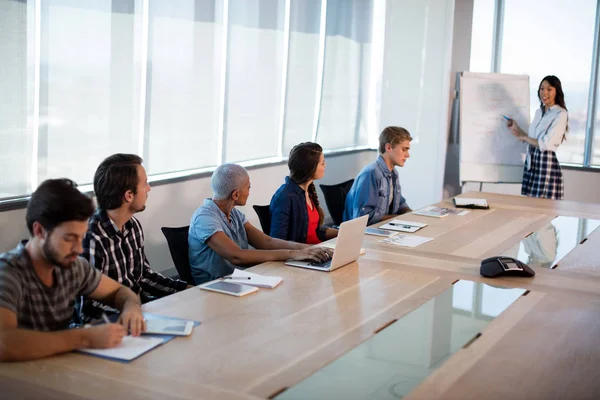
{"points": [[549, 128]]}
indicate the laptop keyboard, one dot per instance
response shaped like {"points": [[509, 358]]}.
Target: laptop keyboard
{"points": [[323, 264]]}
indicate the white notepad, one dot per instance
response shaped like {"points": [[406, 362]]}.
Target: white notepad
{"points": [[407, 240], [130, 347], [256, 280], [403, 226]]}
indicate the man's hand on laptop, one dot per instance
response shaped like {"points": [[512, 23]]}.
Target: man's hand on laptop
{"points": [[313, 253]]}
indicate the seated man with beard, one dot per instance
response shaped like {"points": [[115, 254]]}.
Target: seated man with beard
{"points": [[40, 280]]}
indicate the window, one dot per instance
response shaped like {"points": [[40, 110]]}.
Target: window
{"points": [[303, 74], [254, 79], [548, 42], [16, 92], [89, 88], [183, 97], [544, 40], [346, 75], [482, 36], [187, 85]]}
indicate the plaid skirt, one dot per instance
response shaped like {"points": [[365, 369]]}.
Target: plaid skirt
{"points": [[544, 177]]}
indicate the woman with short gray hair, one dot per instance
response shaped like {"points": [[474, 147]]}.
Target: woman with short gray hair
{"points": [[220, 236]]}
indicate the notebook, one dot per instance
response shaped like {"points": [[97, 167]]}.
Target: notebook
{"points": [[466, 202], [129, 349], [403, 226], [256, 280]]}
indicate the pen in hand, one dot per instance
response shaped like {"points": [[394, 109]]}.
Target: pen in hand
{"points": [[105, 318]]}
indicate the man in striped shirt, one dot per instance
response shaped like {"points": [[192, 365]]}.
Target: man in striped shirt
{"points": [[40, 279], [114, 243]]}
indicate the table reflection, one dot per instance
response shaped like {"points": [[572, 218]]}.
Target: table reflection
{"points": [[548, 245], [393, 362]]}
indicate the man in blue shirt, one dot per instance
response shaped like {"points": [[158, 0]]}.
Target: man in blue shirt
{"points": [[220, 235], [376, 191]]}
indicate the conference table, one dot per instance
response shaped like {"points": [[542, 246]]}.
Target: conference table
{"points": [[418, 323]]}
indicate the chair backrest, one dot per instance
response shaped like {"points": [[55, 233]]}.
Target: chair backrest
{"points": [[177, 239], [264, 216], [335, 198]]}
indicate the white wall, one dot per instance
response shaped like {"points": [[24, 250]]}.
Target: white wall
{"points": [[415, 83], [461, 49], [173, 204]]}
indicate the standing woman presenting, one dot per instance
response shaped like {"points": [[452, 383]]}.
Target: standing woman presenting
{"points": [[542, 176]]}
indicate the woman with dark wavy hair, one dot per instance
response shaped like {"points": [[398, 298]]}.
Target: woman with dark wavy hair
{"points": [[295, 211], [542, 176]]}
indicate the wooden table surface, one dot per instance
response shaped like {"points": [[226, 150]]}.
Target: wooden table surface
{"points": [[544, 346]]}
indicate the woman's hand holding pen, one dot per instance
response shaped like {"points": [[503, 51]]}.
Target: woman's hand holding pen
{"points": [[515, 129]]}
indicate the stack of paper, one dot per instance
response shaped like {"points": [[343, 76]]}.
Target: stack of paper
{"points": [[407, 240], [403, 226], [263, 281]]}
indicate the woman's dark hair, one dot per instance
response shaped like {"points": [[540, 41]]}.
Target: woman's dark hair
{"points": [[559, 99], [56, 201], [303, 162], [116, 175]]}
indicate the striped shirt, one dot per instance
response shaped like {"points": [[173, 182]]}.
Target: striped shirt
{"points": [[36, 305], [121, 256]]}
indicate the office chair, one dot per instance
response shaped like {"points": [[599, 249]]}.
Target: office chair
{"points": [[177, 239], [335, 198], [264, 216]]}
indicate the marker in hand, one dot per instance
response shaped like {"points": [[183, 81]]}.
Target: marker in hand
{"points": [[505, 117]]}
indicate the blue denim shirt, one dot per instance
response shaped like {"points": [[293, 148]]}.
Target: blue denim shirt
{"points": [[207, 220], [289, 216], [369, 195]]}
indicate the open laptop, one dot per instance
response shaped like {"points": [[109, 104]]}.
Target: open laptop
{"points": [[347, 247]]}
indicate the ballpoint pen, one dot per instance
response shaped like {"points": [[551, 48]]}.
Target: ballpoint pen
{"points": [[105, 318]]}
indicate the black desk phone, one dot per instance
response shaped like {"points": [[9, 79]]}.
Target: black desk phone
{"points": [[504, 266]]}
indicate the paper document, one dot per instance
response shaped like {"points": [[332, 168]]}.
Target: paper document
{"points": [[255, 280], [129, 349], [407, 240], [331, 245], [403, 226]]}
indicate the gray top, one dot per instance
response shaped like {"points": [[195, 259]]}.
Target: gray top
{"points": [[37, 306], [206, 221]]}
